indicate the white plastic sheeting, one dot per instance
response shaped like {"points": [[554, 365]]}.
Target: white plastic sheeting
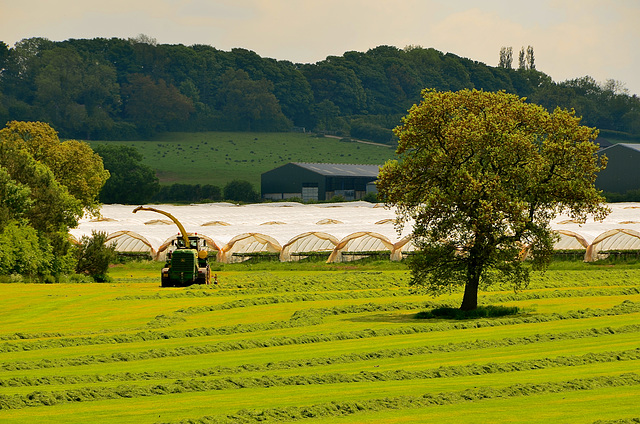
{"points": [[570, 240], [402, 248], [357, 226], [130, 242], [241, 247], [618, 239], [315, 241], [356, 245]]}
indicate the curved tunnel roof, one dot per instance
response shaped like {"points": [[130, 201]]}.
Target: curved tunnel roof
{"points": [[370, 225]]}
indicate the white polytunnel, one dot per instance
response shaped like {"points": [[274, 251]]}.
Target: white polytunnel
{"points": [[130, 242], [402, 248], [613, 240], [570, 240], [159, 222], [360, 245], [358, 227], [245, 246], [328, 221], [216, 223], [314, 241]]}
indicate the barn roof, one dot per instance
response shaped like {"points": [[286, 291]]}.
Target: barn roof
{"points": [[632, 146], [341, 169]]}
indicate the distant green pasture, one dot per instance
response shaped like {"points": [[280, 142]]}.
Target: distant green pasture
{"points": [[219, 157]]}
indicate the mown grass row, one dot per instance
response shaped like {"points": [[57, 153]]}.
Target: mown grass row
{"points": [[264, 381], [204, 349], [315, 316], [338, 408], [261, 282], [166, 321], [300, 347]]}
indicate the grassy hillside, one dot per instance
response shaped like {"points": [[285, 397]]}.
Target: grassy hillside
{"points": [[219, 157], [326, 345]]}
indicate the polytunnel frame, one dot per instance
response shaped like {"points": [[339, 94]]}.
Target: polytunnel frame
{"points": [[224, 253], [579, 238], [336, 255], [396, 253], [592, 251], [285, 255], [133, 235], [211, 244]]}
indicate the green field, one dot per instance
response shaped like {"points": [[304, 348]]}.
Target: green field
{"points": [[219, 157], [319, 344]]}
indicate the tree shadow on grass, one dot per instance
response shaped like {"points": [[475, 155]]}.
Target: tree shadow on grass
{"points": [[391, 317], [441, 313], [488, 311]]}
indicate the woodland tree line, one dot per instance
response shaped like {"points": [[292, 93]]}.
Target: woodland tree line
{"points": [[102, 89]]}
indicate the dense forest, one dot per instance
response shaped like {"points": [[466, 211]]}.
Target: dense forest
{"points": [[102, 89]]}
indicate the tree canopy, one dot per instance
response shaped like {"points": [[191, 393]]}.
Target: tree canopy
{"points": [[73, 163], [118, 89], [46, 186], [131, 182], [481, 175]]}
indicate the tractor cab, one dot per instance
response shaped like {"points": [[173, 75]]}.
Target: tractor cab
{"points": [[187, 259], [195, 242]]}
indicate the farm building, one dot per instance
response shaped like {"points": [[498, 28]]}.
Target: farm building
{"points": [[319, 181], [623, 171], [338, 231]]}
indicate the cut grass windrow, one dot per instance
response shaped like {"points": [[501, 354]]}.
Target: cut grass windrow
{"points": [[286, 341], [338, 408], [314, 317], [330, 378], [334, 408], [162, 321]]}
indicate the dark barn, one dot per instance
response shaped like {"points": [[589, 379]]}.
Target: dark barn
{"points": [[622, 173], [319, 181]]}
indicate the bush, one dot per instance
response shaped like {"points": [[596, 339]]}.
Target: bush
{"points": [[369, 131], [371, 198], [240, 191], [94, 256], [23, 252], [188, 193]]}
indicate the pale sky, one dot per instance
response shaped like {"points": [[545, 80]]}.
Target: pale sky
{"points": [[571, 38]]}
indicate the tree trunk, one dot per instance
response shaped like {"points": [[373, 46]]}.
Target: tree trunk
{"points": [[470, 299]]}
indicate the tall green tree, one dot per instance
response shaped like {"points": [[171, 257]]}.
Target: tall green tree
{"points": [[250, 105], [131, 182], [46, 187], [481, 175], [506, 58], [154, 105], [73, 164]]}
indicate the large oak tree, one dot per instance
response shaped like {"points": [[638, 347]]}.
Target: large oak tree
{"points": [[481, 175]]}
